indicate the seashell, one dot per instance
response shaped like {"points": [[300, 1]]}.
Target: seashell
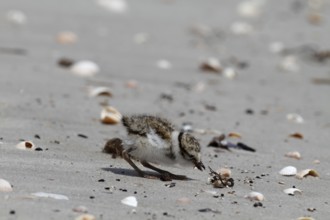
{"points": [[212, 64], [26, 145], [276, 47], [86, 217], [305, 218], [294, 117], [234, 135], [5, 186], [50, 195], [297, 135], [66, 37], [241, 28], [292, 191], [289, 64], [117, 6], [141, 38], [229, 73], [130, 201], [288, 171], [84, 68], [80, 209], [110, 115], [250, 8], [255, 196], [224, 173], [99, 91], [16, 17], [183, 201], [307, 172], [293, 154], [164, 64], [316, 162]]}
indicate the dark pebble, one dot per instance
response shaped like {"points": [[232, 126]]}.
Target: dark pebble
{"points": [[92, 197], [12, 212], [118, 180], [101, 180], [37, 136], [38, 149], [249, 111], [82, 136]]}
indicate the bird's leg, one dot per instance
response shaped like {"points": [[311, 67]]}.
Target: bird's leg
{"points": [[127, 157], [165, 175]]}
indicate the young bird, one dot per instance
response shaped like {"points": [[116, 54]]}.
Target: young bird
{"points": [[153, 139]]}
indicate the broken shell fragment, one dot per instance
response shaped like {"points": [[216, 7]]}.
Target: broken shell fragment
{"points": [[85, 68], [80, 209], [234, 135], [130, 201], [50, 195], [5, 186], [212, 64], [294, 155], [307, 172], [66, 37], [85, 217], [26, 145], [289, 64], [110, 115], [16, 17], [116, 6], [255, 196], [164, 64], [99, 91], [224, 172], [305, 218], [288, 171], [241, 28], [294, 117], [292, 191], [183, 201], [229, 72]]}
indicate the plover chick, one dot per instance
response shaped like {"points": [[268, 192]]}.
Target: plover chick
{"points": [[154, 140]]}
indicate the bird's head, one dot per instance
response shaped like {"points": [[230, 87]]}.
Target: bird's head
{"points": [[190, 149]]}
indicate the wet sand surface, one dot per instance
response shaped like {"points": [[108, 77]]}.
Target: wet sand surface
{"points": [[149, 55]]}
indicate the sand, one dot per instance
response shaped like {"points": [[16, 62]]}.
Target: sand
{"points": [[48, 105]]}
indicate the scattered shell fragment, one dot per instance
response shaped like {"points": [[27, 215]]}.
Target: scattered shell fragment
{"points": [[293, 154], [212, 64], [5, 186], [50, 195], [130, 201], [110, 115], [234, 135], [255, 196], [316, 162], [276, 47], [307, 172], [305, 218], [164, 64], [221, 178], [289, 64], [141, 38], [80, 209], [296, 118], [99, 91], [292, 191], [224, 172], [297, 135], [16, 17], [66, 37], [183, 201], [288, 171], [86, 217], [250, 8], [117, 6], [26, 145], [241, 28], [229, 72], [84, 68]]}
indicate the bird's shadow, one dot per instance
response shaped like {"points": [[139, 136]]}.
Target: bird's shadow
{"points": [[133, 173]]}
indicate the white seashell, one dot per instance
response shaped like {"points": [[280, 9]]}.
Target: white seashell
{"points": [[183, 201], [130, 201], [241, 28], [66, 37], [307, 172], [250, 8], [212, 64], [50, 195], [110, 115], [164, 64], [305, 218], [16, 17], [86, 217], [26, 145], [224, 172], [229, 73], [289, 64], [293, 154], [84, 68], [99, 91], [288, 171], [294, 117], [276, 47], [5, 186], [141, 38], [292, 191], [255, 196], [80, 209], [117, 6]]}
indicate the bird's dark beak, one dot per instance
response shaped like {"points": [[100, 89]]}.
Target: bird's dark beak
{"points": [[200, 165]]}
